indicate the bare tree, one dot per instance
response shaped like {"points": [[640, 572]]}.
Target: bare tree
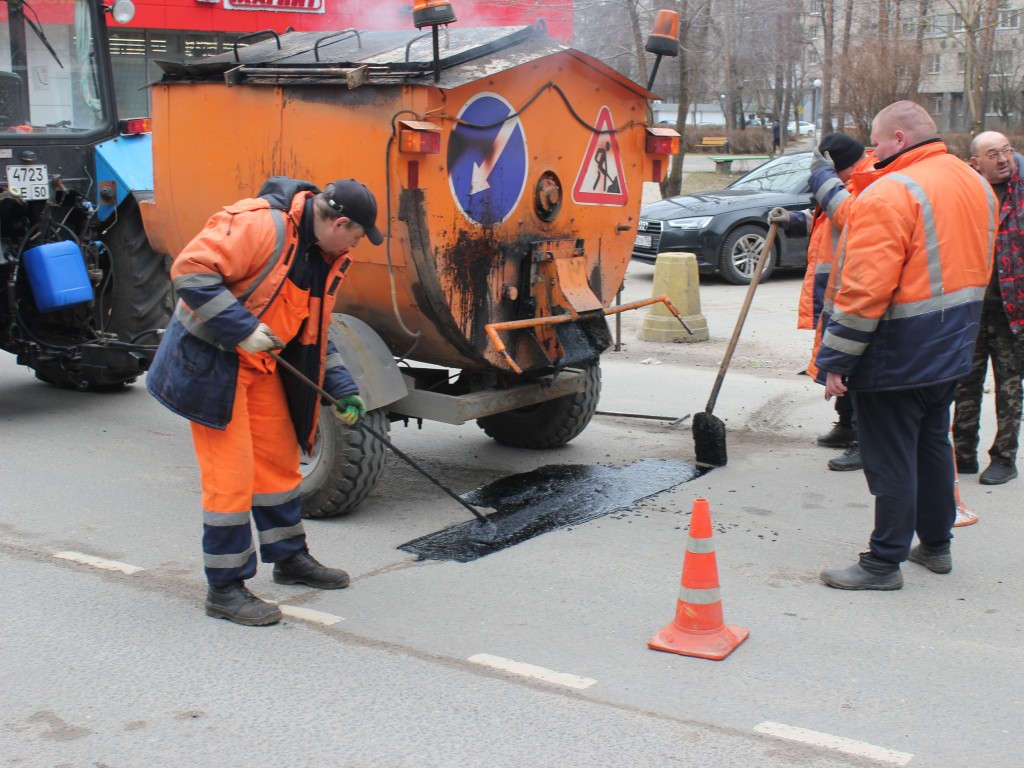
{"points": [[828, 24], [968, 27], [844, 53], [599, 29], [867, 88], [694, 23], [1005, 86], [969, 17]]}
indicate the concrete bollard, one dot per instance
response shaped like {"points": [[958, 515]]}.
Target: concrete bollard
{"points": [[675, 275]]}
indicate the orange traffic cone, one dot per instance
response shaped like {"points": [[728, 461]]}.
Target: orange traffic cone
{"points": [[964, 515], [698, 628]]}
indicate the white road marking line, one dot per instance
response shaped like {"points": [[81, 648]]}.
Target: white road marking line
{"points": [[308, 614], [529, 670], [99, 562], [838, 743]]}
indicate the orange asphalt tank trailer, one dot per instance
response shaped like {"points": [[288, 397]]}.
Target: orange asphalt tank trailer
{"points": [[508, 173]]}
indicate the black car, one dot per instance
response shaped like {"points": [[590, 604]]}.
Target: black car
{"points": [[726, 228]]}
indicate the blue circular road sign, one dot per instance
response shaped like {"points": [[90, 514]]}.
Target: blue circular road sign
{"points": [[487, 165]]}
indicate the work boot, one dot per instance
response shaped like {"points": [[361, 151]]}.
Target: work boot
{"points": [[236, 603], [850, 460], [997, 473], [967, 466], [868, 573], [302, 568], [840, 436], [935, 559]]}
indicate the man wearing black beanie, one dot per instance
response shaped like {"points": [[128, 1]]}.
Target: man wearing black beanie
{"points": [[844, 150], [825, 224]]}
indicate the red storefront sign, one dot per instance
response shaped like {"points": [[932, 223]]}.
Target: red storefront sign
{"points": [[311, 15], [296, 6]]}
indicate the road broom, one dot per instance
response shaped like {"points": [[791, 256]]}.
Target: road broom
{"points": [[709, 430]]}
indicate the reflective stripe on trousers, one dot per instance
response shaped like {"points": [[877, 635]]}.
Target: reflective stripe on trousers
{"points": [[250, 470]]}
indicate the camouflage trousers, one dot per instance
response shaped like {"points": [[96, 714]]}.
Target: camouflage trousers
{"points": [[995, 341]]}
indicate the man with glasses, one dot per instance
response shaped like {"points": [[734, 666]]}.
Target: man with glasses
{"points": [[1001, 321]]}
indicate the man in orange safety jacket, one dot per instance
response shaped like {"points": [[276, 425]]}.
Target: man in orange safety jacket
{"points": [[825, 223], [262, 275], [913, 265]]}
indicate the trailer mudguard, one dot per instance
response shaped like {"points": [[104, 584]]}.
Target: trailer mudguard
{"points": [[369, 361]]}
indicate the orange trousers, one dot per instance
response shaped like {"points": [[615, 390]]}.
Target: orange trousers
{"points": [[250, 473]]}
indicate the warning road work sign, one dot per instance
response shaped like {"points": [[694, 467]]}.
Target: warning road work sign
{"points": [[600, 180]]}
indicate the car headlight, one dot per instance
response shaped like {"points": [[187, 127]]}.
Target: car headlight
{"points": [[696, 222]]}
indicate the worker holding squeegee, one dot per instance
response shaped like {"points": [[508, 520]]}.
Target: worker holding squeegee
{"points": [[261, 276]]}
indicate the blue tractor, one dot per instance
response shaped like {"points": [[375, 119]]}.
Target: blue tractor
{"points": [[83, 296]]}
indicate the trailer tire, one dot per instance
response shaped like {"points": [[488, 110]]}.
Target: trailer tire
{"points": [[345, 466], [550, 424], [140, 299]]}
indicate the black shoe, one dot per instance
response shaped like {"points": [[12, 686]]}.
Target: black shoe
{"points": [[935, 559], [867, 573], [849, 461], [236, 603], [997, 473], [840, 436], [302, 568], [966, 466]]}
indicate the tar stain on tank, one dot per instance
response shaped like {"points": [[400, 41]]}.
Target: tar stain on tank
{"points": [[546, 499]]}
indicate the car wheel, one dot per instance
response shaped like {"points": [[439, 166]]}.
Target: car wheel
{"points": [[740, 254]]}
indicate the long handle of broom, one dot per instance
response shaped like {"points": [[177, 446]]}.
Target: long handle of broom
{"points": [[754, 280]]}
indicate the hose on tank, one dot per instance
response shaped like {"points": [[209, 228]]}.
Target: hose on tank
{"points": [[387, 241]]}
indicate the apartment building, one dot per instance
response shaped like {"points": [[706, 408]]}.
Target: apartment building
{"points": [[956, 48]]}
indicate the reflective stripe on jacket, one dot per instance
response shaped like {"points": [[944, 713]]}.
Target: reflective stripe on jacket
{"points": [[913, 265]]}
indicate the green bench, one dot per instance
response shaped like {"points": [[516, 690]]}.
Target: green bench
{"points": [[723, 163]]}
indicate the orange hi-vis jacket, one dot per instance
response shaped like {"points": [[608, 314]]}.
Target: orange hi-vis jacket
{"points": [[826, 230], [234, 274], [912, 267]]}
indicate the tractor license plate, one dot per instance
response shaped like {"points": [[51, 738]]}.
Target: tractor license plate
{"points": [[29, 182], [643, 241]]}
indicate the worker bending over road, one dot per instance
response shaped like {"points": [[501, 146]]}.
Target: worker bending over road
{"points": [[262, 275]]}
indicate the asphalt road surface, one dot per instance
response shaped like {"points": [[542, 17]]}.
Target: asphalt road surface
{"points": [[533, 656]]}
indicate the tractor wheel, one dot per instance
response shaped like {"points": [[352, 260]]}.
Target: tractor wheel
{"points": [[550, 424], [345, 466], [139, 296]]}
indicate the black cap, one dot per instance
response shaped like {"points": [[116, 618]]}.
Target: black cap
{"points": [[353, 200], [844, 150]]}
